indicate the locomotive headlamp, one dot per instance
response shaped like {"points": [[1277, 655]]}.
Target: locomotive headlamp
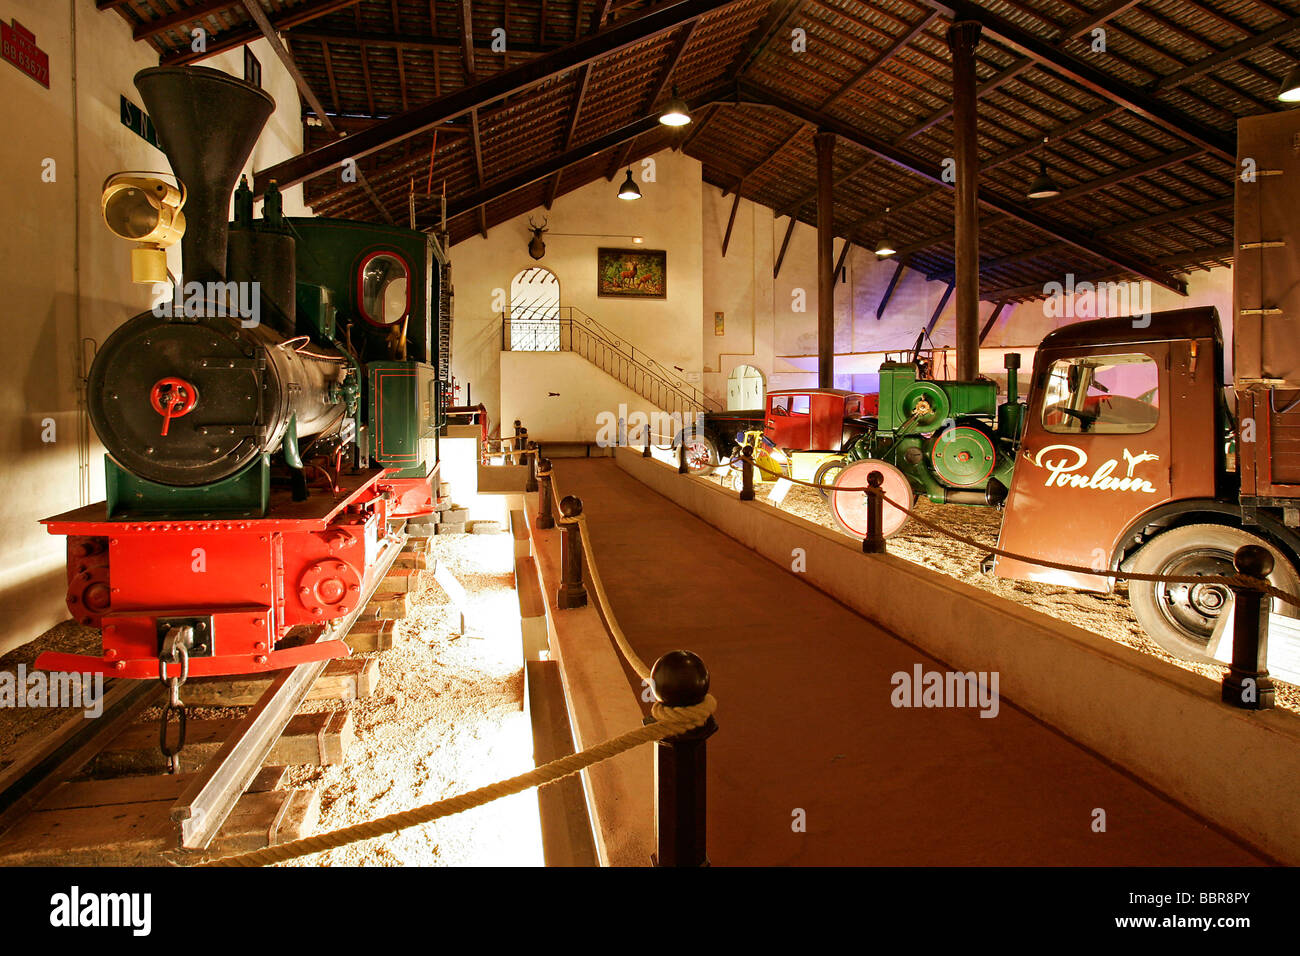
{"points": [[145, 210]]}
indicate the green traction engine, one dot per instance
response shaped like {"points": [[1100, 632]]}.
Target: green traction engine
{"points": [[950, 442]]}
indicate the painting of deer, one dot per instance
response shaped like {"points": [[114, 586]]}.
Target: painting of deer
{"points": [[632, 273]]}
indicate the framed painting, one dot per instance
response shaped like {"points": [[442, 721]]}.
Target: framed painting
{"points": [[632, 273]]}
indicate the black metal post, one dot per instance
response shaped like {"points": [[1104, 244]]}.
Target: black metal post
{"points": [[572, 593], [516, 444], [545, 518], [874, 542], [530, 459], [645, 453], [1247, 684], [747, 473], [680, 679], [681, 457]]}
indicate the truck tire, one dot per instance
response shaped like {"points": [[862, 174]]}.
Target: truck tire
{"points": [[1181, 618], [701, 454]]}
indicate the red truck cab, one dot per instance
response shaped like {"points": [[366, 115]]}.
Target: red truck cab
{"points": [[808, 419]]}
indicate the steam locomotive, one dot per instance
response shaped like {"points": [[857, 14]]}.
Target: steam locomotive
{"points": [[268, 423]]}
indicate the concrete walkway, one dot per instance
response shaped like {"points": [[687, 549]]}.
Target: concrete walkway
{"points": [[806, 721]]}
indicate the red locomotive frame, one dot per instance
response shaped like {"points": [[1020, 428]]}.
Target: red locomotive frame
{"points": [[242, 583]]}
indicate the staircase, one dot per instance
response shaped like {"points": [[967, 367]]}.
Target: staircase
{"points": [[568, 329]]}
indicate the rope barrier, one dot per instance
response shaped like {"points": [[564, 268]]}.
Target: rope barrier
{"points": [[1232, 581], [669, 721], [611, 623]]}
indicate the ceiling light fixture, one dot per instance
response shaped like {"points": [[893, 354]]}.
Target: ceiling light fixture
{"points": [[1290, 92], [1043, 186], [629, 190], [885, 248], [676, 113]]}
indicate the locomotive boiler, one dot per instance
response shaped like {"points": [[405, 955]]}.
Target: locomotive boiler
{"points": [[268, 422]]}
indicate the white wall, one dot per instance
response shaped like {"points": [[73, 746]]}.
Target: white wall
{"points": [[65, 277], [667, 217], [587, 399]]}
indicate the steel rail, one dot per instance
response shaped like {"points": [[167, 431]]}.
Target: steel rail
{"points": [[203, 807]]}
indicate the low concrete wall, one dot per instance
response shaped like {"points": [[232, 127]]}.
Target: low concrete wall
{"points": [[620, 791], [1237, 768]]}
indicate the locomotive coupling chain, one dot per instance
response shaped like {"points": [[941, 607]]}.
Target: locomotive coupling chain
{"points": [[175, 650]]}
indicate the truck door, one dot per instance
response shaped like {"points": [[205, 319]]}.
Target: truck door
{"points": [[789, 422], [1095, 455]]}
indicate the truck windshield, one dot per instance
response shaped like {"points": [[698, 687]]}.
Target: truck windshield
{"points": [[1102, 394]]}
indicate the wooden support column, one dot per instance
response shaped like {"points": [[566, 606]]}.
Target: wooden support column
{"points": [[825, 143], [963, 38]]}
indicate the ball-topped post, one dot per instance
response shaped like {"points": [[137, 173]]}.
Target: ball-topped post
{"points": [[530, 460], [545, 515], [680, 679], [874, 542], [572, 593], [1247, 684], [747, 473]]}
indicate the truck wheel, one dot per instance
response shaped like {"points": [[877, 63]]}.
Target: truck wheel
{"points": [[701, 454], [825, 477], [1179, 617]]}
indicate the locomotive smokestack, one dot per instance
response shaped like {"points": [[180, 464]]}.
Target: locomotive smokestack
{"points": [[207, 123]]}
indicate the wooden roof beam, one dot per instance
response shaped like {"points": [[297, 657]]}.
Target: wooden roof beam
{"points": [[258, 14], [1048, 224], [235, 38], [665, 77], [1090, 78], [584, 78], [785, 244], [811, 194], [992, 321], [526, 176], [889, 290], [768, 28], [412, 41], [635, 29], [880, 59]]}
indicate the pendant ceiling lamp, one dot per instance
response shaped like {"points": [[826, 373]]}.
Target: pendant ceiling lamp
{"points": [[885, 248], [676, 113], [1043, 186], [629, 190], [1290, 92]]}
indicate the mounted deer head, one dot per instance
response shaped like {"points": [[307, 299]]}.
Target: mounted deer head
{"points": [[537, 248]]}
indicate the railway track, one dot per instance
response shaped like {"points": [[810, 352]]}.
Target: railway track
{"points": [[96, 791]]}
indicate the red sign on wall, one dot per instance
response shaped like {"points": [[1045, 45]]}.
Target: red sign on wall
{"points": [[20, 49]]}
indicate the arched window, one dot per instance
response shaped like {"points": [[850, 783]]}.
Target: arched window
{"points": [[535, 311], [745, 388]]}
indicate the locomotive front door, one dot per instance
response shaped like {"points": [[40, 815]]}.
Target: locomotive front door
{"points": [[1095, 455]]}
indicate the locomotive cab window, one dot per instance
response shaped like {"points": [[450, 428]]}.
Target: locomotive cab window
{"points": [[1102, 395], [384, 289]]}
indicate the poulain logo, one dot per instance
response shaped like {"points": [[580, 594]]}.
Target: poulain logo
{"points": [[1063, 471]]}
